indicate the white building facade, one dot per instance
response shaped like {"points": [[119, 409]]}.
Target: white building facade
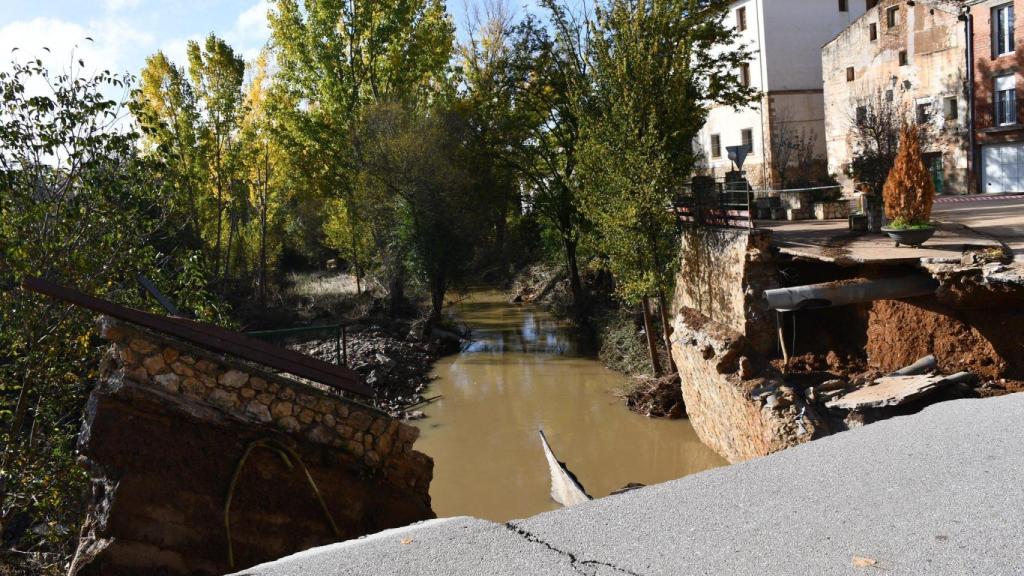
{"points": [[785, 37]]}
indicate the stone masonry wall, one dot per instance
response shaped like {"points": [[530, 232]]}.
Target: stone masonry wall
{"points": [[165, 434], [723, 274]]}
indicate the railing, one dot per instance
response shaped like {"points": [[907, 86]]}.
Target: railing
{"points": [[725, 204], [1005, 113], [338, 331]]}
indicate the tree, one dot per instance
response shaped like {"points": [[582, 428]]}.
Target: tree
{"points": [[876, 135], [336, 59], [78, 206], [420, 161], [909, 190], [791, 148], [656, 66], [217, 74]]}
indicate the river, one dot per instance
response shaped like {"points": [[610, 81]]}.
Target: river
{"points": [[521, 373]]}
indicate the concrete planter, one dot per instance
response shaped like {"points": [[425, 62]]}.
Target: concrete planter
{"points": [[909, 237], [832, 210]]}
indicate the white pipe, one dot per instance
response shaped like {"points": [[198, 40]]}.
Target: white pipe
{"points": [[849, 292]]}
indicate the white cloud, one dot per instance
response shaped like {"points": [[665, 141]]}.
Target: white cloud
{"points": [[118, 5], [251, 30], [110, 47], [247, 35]]}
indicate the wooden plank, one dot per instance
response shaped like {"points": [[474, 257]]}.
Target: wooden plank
{"points": [[214, 338]]}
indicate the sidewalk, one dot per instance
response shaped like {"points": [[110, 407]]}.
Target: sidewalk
{"points": [[938, 492]]}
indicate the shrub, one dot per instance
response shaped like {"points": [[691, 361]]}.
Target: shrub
{"points": [[909, 190]]}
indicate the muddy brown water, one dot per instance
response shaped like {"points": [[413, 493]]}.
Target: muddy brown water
{"points": [[522, 372]]}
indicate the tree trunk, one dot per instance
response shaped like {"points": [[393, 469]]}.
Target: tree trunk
{"points": [[263, 226], [220, 211], [575, 286], [666, 330], [396, 290], [652, 341]]}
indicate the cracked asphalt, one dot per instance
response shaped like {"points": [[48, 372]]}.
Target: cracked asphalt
{"points": [[939, 492]]}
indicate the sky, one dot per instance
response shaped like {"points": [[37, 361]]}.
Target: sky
{"points": [[125, 32]]}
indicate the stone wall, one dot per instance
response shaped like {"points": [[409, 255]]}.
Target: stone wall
{"points": [[723, 275], [737, 404], [166, 430]]}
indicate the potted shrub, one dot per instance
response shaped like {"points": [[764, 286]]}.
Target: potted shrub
{"points": [[909, 193]]}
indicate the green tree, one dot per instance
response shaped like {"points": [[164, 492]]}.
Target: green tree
{"points": [[78, 206], [420, 160], [217, 74], [336, 59], [656, 66]]}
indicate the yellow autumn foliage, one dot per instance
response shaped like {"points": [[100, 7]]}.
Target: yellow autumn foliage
{"points": [[909, 191]]}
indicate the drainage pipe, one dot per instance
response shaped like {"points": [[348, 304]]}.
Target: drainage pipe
{"points": [[849, 292]]}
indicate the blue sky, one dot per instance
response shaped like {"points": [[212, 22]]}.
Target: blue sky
{"points": [[124, 32]]}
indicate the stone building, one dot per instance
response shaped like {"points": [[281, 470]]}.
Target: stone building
{"points": [[785, 37], [912, 56], [998, 145]]}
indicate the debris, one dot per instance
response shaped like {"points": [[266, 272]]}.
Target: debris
{"points": [[861, 562], [406, 541], [565, 488], [895, 391]]}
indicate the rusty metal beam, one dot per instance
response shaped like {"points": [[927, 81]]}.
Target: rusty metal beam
{"points": [[214, 338]]}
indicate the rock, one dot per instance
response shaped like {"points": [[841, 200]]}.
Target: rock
{"points": [[154, 365], [258, 411], [247, 393], [830, 385], [233, 378], [281, 409], [360, 420], [289, 423], [415, 415], [142, 346], [258, 384], [746, 371], [168, 382], [223, 399], [329, 420], [193, 387], [408, 433], [170, 355], [128, 357], [306, 416]]}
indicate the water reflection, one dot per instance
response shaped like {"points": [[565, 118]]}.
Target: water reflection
{"points": [[521, 373]]}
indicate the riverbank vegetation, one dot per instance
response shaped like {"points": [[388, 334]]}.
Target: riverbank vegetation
{"points": [[365, 134]]}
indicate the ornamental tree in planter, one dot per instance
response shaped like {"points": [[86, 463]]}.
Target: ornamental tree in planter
{"points": [[909, 192]]}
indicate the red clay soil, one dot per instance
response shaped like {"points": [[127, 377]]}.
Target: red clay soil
{"points": [[986, 342]]}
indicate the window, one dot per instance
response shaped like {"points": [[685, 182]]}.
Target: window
{"points": [[924, 112], [844, 6], [741, 18], [903, 58], [873, 31], [745, 74], [888, 95], [747, 136], [850, 74], [892, 16], [1005, 100], [716, 146], [949, 108], [862, 115], [1002, 30]]}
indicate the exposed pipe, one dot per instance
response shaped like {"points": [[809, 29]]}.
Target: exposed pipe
{"points": [[923, 365], [849, 292]]}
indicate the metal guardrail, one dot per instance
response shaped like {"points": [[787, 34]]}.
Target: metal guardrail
{"points": [[214, 338], [339, 331], [725, 204]]}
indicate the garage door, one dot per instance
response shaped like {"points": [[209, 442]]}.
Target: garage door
{"points": [[1003, 168]]}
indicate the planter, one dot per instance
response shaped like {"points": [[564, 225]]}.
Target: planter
{"points": [[909, 236], [832, 210]]}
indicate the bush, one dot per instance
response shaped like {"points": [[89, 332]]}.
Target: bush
{"points": [[909, 191]]}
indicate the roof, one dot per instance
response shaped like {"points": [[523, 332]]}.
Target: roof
{"points": [[215, 338]]}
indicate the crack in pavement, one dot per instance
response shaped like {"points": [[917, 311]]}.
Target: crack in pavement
{"points": [[576, 563]]}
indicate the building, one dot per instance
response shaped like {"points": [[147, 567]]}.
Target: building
{"points": [[910, 58], [786, 38], [998, 143]]}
